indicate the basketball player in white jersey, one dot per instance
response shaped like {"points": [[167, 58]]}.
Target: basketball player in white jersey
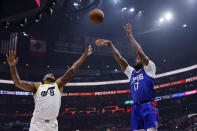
{"points": [[47, 95]]}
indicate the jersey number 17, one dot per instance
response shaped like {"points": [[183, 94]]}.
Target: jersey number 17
{"points": [[136, 85]]}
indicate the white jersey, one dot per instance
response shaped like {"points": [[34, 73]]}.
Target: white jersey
{"points": [[47, 101]]}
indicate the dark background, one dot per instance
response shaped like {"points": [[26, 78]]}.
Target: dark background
{"points": [[169, 45]]}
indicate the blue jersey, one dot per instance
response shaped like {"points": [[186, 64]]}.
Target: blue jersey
{"points": [[142, 82]]}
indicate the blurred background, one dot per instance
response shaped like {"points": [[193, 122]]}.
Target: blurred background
{"points": [[50, 35]]}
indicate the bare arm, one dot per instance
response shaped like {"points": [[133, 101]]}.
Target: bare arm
{"points": [[62, 81], [120, 60], [24, 85], [137, 48]]}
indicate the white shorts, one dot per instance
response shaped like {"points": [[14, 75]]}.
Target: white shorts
{"points": [[43, 125]]}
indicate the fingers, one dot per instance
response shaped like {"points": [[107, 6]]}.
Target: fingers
{"points": [[14, 52], [11, 53], [127, 26], [99, 42], [17, 60], [90, 48]]}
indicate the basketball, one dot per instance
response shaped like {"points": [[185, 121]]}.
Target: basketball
{"points": [[96, 16]]}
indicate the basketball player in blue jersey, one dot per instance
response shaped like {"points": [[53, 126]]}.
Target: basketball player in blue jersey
{"points": [[142, 76], [47, 95]]}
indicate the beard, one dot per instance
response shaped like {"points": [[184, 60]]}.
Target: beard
{"points": [[138, 66]]}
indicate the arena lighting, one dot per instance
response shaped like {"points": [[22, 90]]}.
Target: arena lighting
{"points": [[125, 8], [50, 10], [168, 16], [164, 60], [48, 66], [132, 10], [161, 20], [141, 11], [25, 34], [185, 25], [38, 18], [54, 2], [75, 4], [23, 22], [191, 1], [115, 70], [6, 24]]}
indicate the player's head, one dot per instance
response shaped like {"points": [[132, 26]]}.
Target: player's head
{"points": [[138, 64], [48, 78]]}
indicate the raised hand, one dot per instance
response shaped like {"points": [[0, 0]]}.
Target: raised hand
{"points": [[89, 50], [128, 30], [11, 58], [102, 42]]}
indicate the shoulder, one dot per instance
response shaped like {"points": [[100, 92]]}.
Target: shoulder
{"points": [[60, 88], [37, 84], [150, 69], [129, 71]]}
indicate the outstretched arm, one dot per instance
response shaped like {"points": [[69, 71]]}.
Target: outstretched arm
{"points": [[137, 48], [24, 85], [121, 61], [62, 81]]}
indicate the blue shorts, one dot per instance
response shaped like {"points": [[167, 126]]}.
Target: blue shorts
{"points": [[144, 116]]}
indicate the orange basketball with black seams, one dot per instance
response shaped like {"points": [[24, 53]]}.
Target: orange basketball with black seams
{"points": [[96, 16]]}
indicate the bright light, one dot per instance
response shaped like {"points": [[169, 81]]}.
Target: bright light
{"points": [[161, 20], [191, 1], [185, 25], [116, 1], [125, 8], [132, 10], [75, 4], [25, 34], [168, 16]]}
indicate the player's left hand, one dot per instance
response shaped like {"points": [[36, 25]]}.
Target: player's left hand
{"points": [[102, 42], [89, 50], [128, 29]]}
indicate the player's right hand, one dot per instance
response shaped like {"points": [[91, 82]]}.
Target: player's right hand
{"points": [[89, 50], [128, 30], [11, 58], [102, 42]]}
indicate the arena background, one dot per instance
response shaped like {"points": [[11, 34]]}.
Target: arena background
{"points": [[51, 36]]}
